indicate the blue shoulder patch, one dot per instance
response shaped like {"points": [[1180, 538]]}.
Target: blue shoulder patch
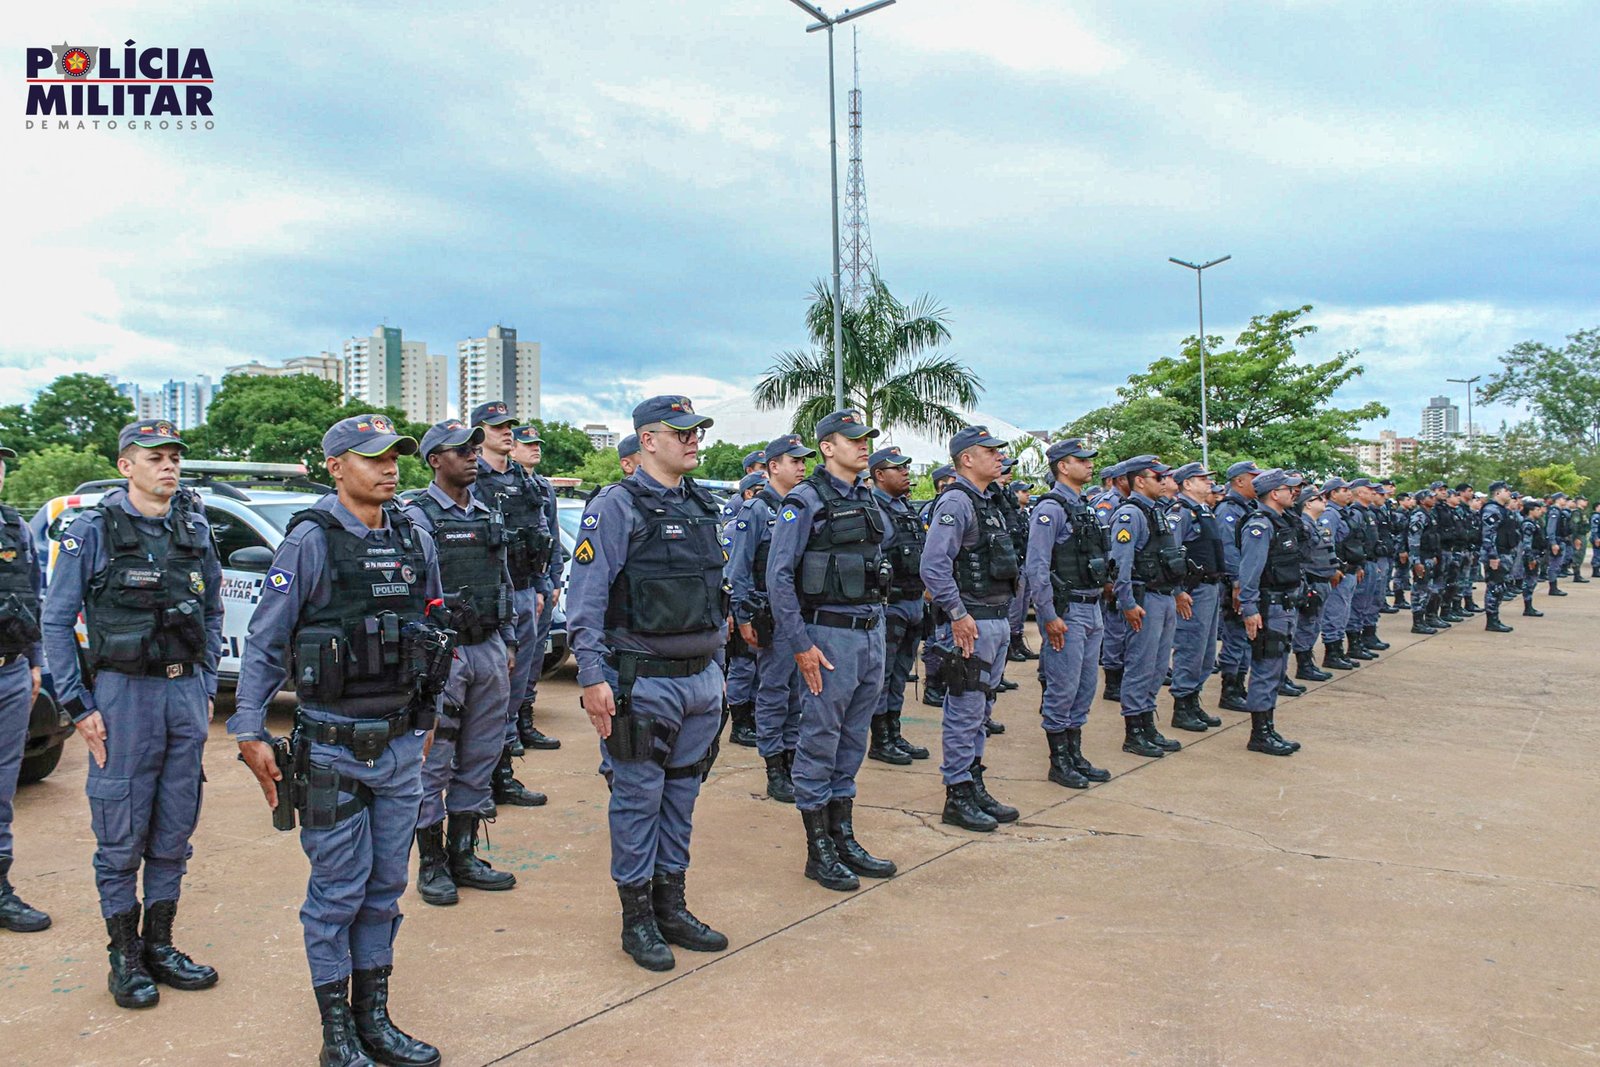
{"points": [[590, 521], [70, 545], [279, 580], [788, 514]]}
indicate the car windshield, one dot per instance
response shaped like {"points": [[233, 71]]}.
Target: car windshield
{"points": [[278, 513], [569, 519]]}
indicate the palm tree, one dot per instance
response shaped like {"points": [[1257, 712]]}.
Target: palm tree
{"points": [[889, 375]]}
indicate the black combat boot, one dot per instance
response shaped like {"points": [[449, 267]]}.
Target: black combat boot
{"points": [[1400, 600], [641, 936], [961, 809], [1452, 610], [1005, 685], [1080, 762], [434, 884], [1186, 714], [991, 726], [823, 864], [1577, 576], [1529, 610], [1469, 606], [991, 807], [1333, 656], [1435, 619], [1419, 625], [1019, 652], [1492, 623], [529, 734], [1306, 668], [383, 1040], [676, 922], [1386, 608], [1287, 688], [1153, 735], [899, 741], [1556, 590], [15, 915], [882, 747], [1261, 739], [1134, 740], [1353, 648], [1272, 728], [466, 869], [1113, 684], [1062, 772], [1370, 640], [340, 1045], [1205, 717], [130, 983], [841, 827], [780, 786], [162, 959], [1233, 692], [743, 720], [507, 790]]}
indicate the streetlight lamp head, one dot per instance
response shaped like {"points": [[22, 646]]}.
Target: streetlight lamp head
{"points": [[811, 9], [867, 9]]}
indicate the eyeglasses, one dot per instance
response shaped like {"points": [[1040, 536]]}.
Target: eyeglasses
{"points": [[684, 436], [467, 451]]}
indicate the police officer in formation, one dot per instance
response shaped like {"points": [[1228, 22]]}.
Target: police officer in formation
{"points": [[827, 579], [1237, 505], [468, 741], [741, 655], [527, 451], [1559, 535], [935, 628], [903, 614], [970, 568], [1594, 543], [628, 454], [1499, 550], [1535, 551], [1113, 645], [1319, 569], [1362, 630], [1194, 651], [777, 683], [1068, 568], [1270, 559], [143, 570], [1346, 524], [21, 660], [647, 624], [345, 609]]}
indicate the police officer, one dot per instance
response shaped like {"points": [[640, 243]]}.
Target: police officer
{"points": [[1470, 513], [1269, 586], [827, 578], [142, 569], [1424, 547], [970, 567], [628, 454], [1014, 502], [1350, 549], [777, 682], [1594, 543], [527, 450], [1501, 538], [1392, 529], [1067, 571], [531, 551], [1534, 549], [1113, 646], [936, 629], [469, 737], [344, 607], [21, 657], [1362, 630], [1319, 566], [1452, 540], [741, 655], [647, 622], [1237, 505], [902, 616], [1559, 537], [1194, 649], [1580, 539]]}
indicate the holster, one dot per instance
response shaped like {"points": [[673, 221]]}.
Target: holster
{"points": [[290, 783], [963, 674], [1269, 643]]}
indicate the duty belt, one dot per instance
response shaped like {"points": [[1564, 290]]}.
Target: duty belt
{"points": [[840, 621], [356, 736], [988, 611], [644, 666], [1282, 599], [6, 661], [157, 670], [1084, 596]]}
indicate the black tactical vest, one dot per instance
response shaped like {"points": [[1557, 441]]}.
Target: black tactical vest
{"points": [[1242, 506], [1428, 539], [986, 573], [1161, 565], [472, 556], [146, 610], [842, 563], [1080, 563], [1563, 524], [1369, 530], [1016, 520], [1541, 541], [1353, 546], [1316, 544], [353, 647], [905, 555], [1285, 554], [520, 501], [1508, 531], [672, 580], [19, 607], [1205, 551], [763, 552]]}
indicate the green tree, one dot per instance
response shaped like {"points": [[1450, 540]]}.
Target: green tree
{"points": [[1561, 385], [52, 471], [268, 420], [891, 374], [80, 410], [1552, 478], [724, 460], [16, 429], [564, 447], [601, 468]]}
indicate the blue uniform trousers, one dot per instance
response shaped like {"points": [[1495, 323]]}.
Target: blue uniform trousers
{"points": [[1148, 654], [1071, 675], [1114, 644], [778, 686], [741, 679], [1402, 575], [541, 634], [899, 654], [651, 815], [1498, 584], [1017, 616], [962, 733], [1267, 674], [1308, 624], [527, 652], [834, 724], [1336, 616], [1194, 643], [1373, 588], [360, 866], [457, 772], [16, 706], [1235, 655], [145, 802]]}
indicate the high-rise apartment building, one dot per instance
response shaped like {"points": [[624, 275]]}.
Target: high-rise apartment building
{"points": [[184, 404], [1381, 457], [387, 370], [1440, 419], [324, 365], [601, 436], [497, 366]]}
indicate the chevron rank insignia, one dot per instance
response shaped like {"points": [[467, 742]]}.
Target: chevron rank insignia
{"points": [[1124, 536], [584, 553]]}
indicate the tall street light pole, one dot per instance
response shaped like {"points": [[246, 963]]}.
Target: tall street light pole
{"points": [[1200, 294], [827, 22], [1468, 382]]}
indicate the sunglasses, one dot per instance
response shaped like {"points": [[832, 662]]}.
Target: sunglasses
{"points": [[466, 451]]}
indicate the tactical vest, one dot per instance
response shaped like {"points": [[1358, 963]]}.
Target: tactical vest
{"points": [[1161, 565], [1507, 532], [672, 581], [19, 606], [1353, 546], [1428, 539], [1316, 546], [763, 552], [472, 558], [986, 573], [529, 540], [1081, 563], [905, 555], [1235, 503], [1016, 520], [1541, 541], [842, 563], [146, 610], [1369, 530], [1205, 551], [1563, 524], [1285, 555]]}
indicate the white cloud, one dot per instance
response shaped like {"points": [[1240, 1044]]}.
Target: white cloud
{"points": [[1031, 38]]}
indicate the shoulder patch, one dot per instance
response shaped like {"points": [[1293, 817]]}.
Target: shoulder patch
{"points": [[584, 553], [1231, 517], [279, 580], [1255, 531], [947, 519], [1044, 518], [742, 524], [590, 521], [788, 514], [70, 545], [1126, 516], [1124, 536]]}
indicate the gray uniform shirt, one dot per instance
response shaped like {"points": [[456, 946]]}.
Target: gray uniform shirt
{"points": [[798, 517], [953, 526], [475, 510]]}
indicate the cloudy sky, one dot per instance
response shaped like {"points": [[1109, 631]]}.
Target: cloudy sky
{"points": [[642, 186]]}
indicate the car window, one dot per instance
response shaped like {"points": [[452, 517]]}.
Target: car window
{"points": [[232, 533]]}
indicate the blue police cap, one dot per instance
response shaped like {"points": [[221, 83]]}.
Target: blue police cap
{"points": [[451, 433], [1115, 470], [673, 412], [1244, 466], [492, 413], [1333, 484], [366, 435], [848, 422], [527, 435], [1276, 478], [1151, 463], [628, 446], [973, 437], [941, 472], [758, 456], [1008, 463], [890, 456], [1192, 470], [150, 433], [1435, 486], [1361, 483], [753, 480], [1069, 446], [789, 444]]}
